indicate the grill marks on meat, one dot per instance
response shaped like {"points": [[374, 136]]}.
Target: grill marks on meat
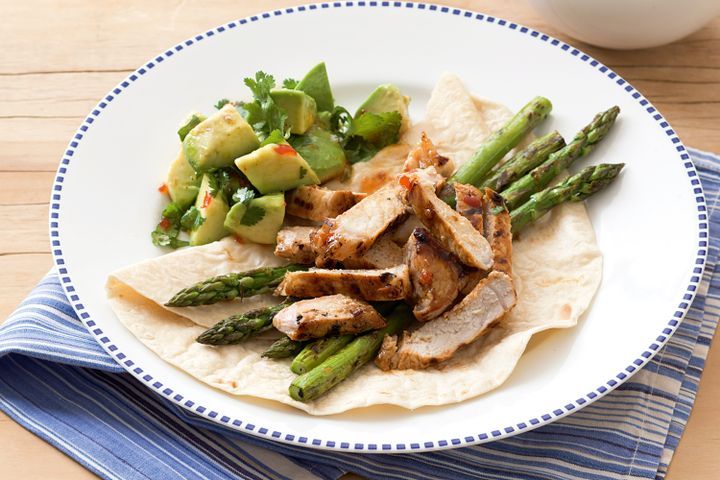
{"points": [[426, 155], [295, 244], [372, 285], [434, 273], [353, 232], [454, 232], [330, 315], [438, 340], [317, 203]]}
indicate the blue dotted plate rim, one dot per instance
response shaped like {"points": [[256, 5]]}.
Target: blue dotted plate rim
{"points": [[473, 439]]}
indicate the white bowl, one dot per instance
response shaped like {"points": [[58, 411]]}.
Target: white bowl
{"points": [[625, 25]]}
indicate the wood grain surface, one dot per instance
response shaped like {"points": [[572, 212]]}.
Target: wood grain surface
{"points": [[59, 58]]}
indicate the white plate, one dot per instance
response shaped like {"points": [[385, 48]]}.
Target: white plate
{"points": [[650, 224]]}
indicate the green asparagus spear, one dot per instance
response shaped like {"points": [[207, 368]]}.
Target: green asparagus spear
{"points": [[316, 352], [530, 157], [538, 178], [338, 367], [232, 285], [573, 189], [499, 143], [237, 328], [283, 348]]}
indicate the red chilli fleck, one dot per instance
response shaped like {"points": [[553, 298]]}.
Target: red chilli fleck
{"points": [[206, 200], [472, 201], [165, 224], [283, 149], [163, 188], [405, 182]]}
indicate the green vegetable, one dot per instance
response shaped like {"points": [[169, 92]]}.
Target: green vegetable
{"points": [[252, 215], [182, 181], [212, 208], [191, 122], [283, 348], [221, 103], [387, 98], [191, 219], [354, 355], [276, 136], [362, 137], [167, 231], [275, 168], [232, 285], [259, 220], [237, 328], [243, 195], [475, 170], [524, 161], [263, 113], [290, 83], [577, 188], [321, 151], [299, 107], [317, 352], [316, 84], [217, 141], [541, 176]]}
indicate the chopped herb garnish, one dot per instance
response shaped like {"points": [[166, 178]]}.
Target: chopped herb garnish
{"points": [[219, 182], [189, 124], [362, 137], [290, 83], [243, 195], [221, 103], [303, 172], [191, 219], [262, 113], [252, 215], [167, 231], [276, 136]]}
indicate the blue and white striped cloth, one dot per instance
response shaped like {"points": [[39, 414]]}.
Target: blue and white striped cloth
{"points": [[59, 384]]}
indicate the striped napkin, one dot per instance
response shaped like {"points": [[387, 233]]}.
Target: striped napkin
{"points": [[59, 384]]}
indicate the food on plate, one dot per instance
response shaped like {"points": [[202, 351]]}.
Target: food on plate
{"points": [[327, 315], [339, 260]]}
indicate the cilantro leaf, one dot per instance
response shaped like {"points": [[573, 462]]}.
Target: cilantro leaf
{"points": [[191, 219], [167, 231], [262, 113], [290, 83], [365, 135], [189, 124], [218, 182], [221, 103], [303, 172], [276, 136], [252, 215], [243, 195]]}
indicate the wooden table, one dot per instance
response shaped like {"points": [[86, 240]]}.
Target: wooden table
{"points": [[59, 58]]}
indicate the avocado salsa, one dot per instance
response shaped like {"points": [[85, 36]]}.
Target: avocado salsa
{"points": [[234, 165]]}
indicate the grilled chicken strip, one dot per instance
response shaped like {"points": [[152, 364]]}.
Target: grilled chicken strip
{"points": [[352, 233], [331, 315], [438, 340], [296, 245], [453, 231], [434, 273], [426, 155], [487, 212], [317, 203], [372, 285]]}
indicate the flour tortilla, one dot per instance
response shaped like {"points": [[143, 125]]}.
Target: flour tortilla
{"points": [[556, 264]]}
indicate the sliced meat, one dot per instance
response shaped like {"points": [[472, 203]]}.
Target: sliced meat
{"points": [[434, 273], [317, 203], [355, 231], [498, 231], [331, 315], [295, 244], [469, 204], [373, 285], [383, 254], [438, 340], [453, 231], [426, 155]]}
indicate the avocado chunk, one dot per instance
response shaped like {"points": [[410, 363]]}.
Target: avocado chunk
{"points": [[218, 140], [299, 106], [190, 122], [213, 211], [275, 168], [387, 98], [182, 181], [322, 152], [260, 220], [316, 84]]}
